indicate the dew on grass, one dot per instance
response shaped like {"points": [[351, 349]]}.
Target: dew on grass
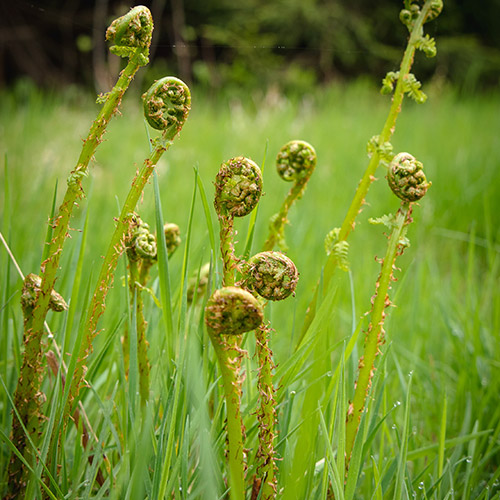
{"points": [[468, 460], [421, 485], [393, 426]]}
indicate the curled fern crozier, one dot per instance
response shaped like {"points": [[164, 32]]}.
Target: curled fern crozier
{"points": [[167, 104], [31, 287], [172, 235], [296, 160], [272, 275], [238, 187], [232, 310], [140, 243], [406, 177], [133, 30]]}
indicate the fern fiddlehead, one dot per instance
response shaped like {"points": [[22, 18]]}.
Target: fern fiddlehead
{"points": [[295, 163], [125, 221]]}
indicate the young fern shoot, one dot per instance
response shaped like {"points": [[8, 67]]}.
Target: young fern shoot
{"points": [[379, 148], [232, 311], [28, 399], [295, 162], [142, 255], [166, 108], [131, 35], [407, 181], [272, 276]]}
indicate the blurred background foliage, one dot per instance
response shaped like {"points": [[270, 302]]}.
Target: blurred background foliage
{"points": [[286, 45]]}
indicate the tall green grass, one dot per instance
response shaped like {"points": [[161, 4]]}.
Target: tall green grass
{"points": [[433, 429]]}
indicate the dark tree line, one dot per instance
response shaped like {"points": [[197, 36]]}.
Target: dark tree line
{"points": [[246, 42]]}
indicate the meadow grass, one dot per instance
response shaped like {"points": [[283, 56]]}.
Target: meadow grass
{"points": [[434, 421]]}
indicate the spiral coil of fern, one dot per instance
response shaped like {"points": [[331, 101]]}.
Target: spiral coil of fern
{"points": [[166, 105], [141, 244], [132, 30], [272, 275], [406, 178], [97, 306], [238, 187], [172, 235], [295, 162], [230, 312]]}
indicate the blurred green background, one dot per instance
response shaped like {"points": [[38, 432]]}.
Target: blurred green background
{"points": [[287, 45]]}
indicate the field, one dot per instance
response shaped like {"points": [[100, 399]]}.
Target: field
{"points": [[434, 420]]}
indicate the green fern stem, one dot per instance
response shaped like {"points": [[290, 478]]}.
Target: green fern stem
{"points": [[142, 343], [230, 312], [75, 191], [387, 131], [277, 226], [229, 359], [295, 162], [105, 279], [28, 398], [226, 223], [375, 334], [266, 415]]}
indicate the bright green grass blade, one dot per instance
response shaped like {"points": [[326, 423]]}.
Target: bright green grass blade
{"points": [[378, 493], [163, 273], [174, 416], [336, 474], [470, 463], [431, 449], [442, 442], [183, 285], [355, 463], [400, 474], [133, 373], [50, 227], [208, 216]]}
